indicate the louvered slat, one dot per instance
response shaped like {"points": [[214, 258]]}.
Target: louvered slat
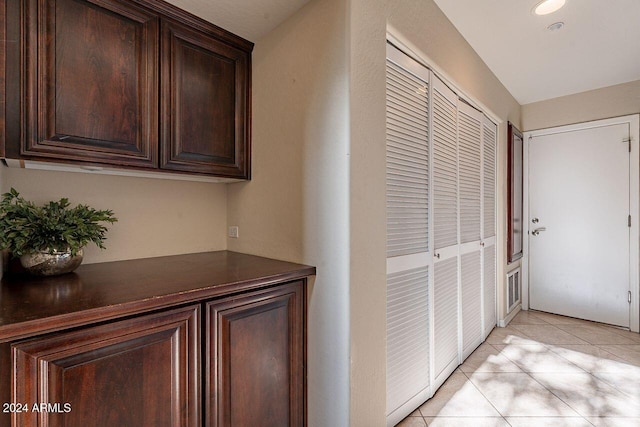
{"points": [[489, 178], [407, 335], [489, 285], [445, 171], [407, 162], [469, 141], [445, 313], [470, 277]]}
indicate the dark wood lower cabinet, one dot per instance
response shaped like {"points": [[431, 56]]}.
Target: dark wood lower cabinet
{"points": [[255, 370], [210, 339], [138, 372]]}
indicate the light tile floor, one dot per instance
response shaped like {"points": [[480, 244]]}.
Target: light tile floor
{"points": [[542, 370]]}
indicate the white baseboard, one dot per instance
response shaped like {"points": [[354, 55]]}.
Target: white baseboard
{"points": [[504, 322]]}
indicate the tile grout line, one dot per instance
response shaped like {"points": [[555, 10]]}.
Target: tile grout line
{"points": [[485, 397], [548, 347], [598, 346]]}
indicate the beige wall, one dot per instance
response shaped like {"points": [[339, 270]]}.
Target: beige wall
{"points": [[612, 101], [368, 213], [155, 216], [318, 189], [421, 25], [295, 208]]}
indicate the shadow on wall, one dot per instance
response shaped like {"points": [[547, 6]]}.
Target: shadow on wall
{"points": [[156, 217]]}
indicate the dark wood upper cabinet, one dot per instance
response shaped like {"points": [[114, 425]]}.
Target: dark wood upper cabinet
{"points": [[92, 81], [133, 84], [198, 134]]}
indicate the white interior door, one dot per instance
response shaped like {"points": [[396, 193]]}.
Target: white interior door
{"points": [[579, 236]]}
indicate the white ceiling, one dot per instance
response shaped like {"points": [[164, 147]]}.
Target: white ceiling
{"points": [[599, 45], [250, 19]]}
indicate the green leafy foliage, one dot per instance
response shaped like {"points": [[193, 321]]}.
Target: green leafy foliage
{"points": [[27, 228]]}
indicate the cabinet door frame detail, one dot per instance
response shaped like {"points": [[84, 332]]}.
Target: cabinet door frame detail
{"points": [[174, 156], [38, 363], [41, 139], [219, 316]]}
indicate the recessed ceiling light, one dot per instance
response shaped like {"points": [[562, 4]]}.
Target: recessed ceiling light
{"points": [[555, 26], [546, 7]]}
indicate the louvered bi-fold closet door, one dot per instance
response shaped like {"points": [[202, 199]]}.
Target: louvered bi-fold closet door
{"points": [[408, 257], [445, 230], [445, 166], [489, 146], [471, 301], [470, 165], [470, 201]]}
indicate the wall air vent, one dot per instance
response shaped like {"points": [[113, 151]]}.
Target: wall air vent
{"points": [[514, 286]]}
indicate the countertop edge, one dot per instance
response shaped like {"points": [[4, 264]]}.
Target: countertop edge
{"points": [[54, 323]]}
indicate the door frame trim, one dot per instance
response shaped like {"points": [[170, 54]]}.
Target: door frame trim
{"points": [[634, 188]]}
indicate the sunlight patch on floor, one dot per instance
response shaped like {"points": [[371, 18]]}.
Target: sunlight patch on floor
{"points": [[542, 370]]}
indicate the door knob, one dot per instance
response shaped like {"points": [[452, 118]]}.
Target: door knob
{"points": [[535, 220], [538, 230]]}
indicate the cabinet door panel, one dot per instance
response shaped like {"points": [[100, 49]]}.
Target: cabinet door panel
{"points": [[204, 104], [142, 371], [255, 363], [92, 81], [5, 386]]}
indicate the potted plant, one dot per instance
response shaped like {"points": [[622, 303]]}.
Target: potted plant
{"points": [[49, 239]]}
